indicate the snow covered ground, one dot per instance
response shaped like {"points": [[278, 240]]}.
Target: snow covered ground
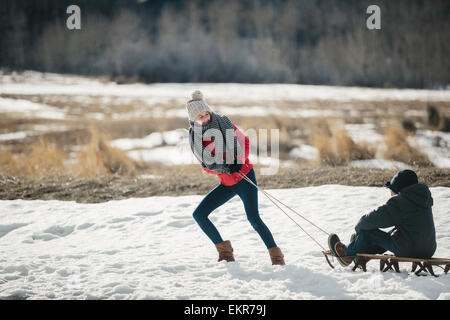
{"points": [[31, 82], [28, 109], [151, 248], [168, 99], [435, 144]]}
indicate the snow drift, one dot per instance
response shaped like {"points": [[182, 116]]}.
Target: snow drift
{"points": [[151, 248]]}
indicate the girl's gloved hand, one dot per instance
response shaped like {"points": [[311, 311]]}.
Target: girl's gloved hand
{"points": [[235, 167]]}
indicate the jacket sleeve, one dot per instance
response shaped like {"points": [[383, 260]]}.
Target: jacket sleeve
{"points": [[244, 141], [383, 217]]}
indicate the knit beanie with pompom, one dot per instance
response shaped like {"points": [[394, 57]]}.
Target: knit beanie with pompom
{"points": [[196, 105]]}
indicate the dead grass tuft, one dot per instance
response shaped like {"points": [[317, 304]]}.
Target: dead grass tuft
{"points": [[337, 148], [324, 146], [42, 159], [45, 159], [349, 150], [398, 148], [99, 158], [8, 164]]}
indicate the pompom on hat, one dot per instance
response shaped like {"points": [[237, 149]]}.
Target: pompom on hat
{"points": [[196, 105]]}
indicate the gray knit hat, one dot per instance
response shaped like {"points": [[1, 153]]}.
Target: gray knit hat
{"points": [[197, 105]]}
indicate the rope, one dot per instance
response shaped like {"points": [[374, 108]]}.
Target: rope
{"points": [[269, 197], [301, 216]]}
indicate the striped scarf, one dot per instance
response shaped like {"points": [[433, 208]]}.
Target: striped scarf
{"points": [[221, 131]]}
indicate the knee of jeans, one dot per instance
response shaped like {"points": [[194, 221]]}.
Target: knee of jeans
{"points": [[197, 216], [367, 235]]}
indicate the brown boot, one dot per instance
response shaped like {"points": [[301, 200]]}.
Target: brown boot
{"points": [[276, 256], [338, 249], [225, 251], [342, 258]]}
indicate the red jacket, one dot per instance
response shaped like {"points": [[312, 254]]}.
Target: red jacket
{"points": [[232, 179]]}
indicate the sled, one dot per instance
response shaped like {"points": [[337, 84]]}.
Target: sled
{"points": [[390, 262]]}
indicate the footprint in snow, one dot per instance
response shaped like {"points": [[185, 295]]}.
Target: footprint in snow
{"points": [[44, 237], [123, 289], [51, 233], [148, 214], [7, 228], [84, 226], [116, 220], [111, 252], [60, 231], [180, 224]]}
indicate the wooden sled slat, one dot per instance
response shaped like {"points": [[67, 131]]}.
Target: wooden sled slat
{"points": [[390, 262], [404, 259]]}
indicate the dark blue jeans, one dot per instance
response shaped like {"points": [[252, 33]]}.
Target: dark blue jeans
{"points": [[221, 194], [370, 242]]}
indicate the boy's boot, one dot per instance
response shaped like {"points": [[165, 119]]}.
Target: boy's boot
{"points": [[338, 249]]}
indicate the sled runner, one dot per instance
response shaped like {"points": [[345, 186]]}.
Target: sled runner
{"points": [[390, 262]]}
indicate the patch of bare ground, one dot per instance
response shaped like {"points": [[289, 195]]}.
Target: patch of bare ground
{"points": [[161, 180]]}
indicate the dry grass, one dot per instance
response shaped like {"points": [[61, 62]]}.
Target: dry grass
{"points": [[8, 165], [41, 160], [398, 149], [348, 150], [321, 138], [48, 155], [335, 147], [323, 143], [99, 158], [45, 159]]}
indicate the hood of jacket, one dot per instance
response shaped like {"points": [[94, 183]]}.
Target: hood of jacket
{"points": [[419, 194]]}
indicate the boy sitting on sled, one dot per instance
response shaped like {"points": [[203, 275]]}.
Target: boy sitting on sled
{"points": [[408, 211]]}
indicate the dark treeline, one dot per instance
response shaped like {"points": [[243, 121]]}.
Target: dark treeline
{"points": [[285, 41]]}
